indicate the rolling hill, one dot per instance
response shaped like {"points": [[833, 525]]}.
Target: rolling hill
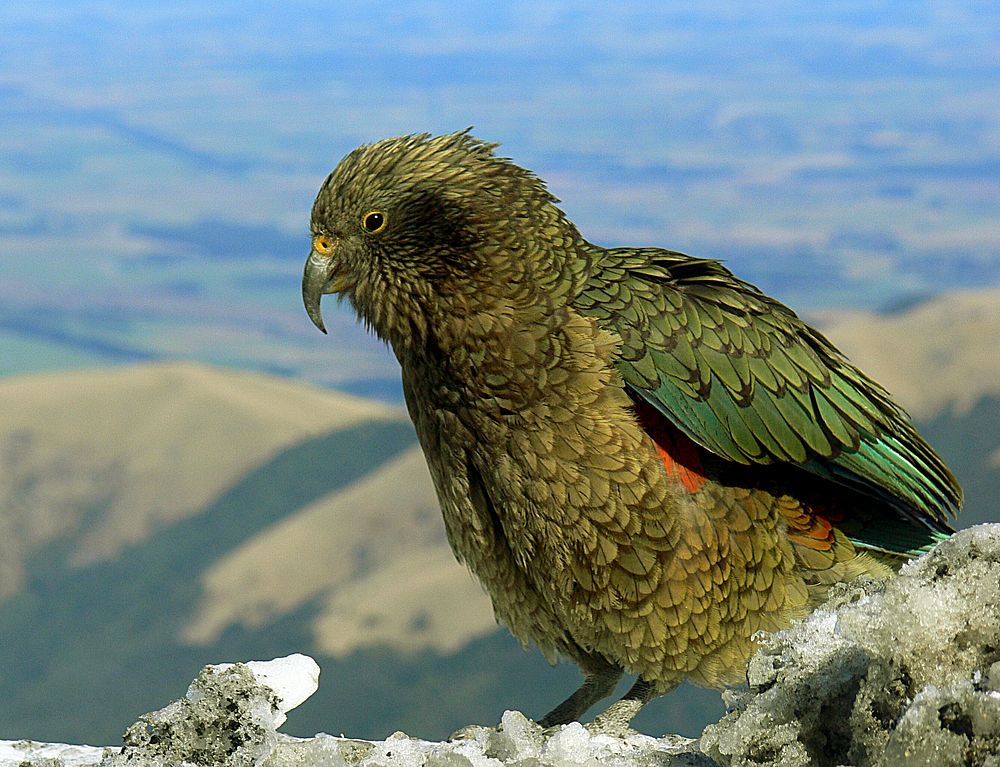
{"points": [[100, 459], [937, 355]]}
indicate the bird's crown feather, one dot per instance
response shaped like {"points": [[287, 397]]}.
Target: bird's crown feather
{"points": [[458, 164]]}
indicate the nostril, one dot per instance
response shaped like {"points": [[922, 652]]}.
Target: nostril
{"points": [[323, 244]]}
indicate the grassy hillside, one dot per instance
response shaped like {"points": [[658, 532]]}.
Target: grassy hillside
{"points": [[92, 461], [934, 355], [108, 630]]}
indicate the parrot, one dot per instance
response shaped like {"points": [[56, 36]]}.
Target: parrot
{"points": [[644, 459]]}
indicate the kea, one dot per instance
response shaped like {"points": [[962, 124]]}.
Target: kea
{"points": [[644, 459]]}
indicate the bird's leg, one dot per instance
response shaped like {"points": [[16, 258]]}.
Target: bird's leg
{"points": [[600, 678], [616, 719]]}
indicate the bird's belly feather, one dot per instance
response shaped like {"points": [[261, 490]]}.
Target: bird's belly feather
{"points": [[566, 511]]}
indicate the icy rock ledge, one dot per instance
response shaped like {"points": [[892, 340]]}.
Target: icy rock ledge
{"points": [[229, 716], [905, 673]]}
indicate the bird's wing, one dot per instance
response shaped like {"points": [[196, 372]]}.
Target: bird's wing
{"points": [[745, 378]]}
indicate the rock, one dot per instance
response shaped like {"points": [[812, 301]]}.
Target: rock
{"points": [[228, 717], [901, 673]]}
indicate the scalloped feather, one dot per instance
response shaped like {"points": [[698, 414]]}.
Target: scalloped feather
{"points": [[745, 378]]}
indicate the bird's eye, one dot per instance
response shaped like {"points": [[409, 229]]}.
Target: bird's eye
{"points": [[373, 222]]}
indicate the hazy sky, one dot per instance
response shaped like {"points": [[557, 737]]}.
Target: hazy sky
{"points": [[158, 159]]}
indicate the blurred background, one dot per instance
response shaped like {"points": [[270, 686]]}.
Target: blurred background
{"points": [[190, 473]]}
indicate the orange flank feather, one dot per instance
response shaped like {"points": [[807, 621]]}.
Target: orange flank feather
{"points": [[810, 530], [809, 525], [678, 453]]}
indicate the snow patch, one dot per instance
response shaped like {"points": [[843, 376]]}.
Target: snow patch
{"points": [[292, 679]]}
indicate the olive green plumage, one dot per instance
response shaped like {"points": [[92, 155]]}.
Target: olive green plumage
{"points": [[644, 459]]}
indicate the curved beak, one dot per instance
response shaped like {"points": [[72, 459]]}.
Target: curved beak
{"points": [[316, 280]]}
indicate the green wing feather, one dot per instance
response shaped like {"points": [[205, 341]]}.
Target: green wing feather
{"points": [[745, 378]]}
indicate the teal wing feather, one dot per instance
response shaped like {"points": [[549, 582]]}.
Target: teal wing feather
{"points": [[744, 377]]}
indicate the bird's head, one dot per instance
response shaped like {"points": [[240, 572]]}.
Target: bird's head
{"points": [[418, 229]]}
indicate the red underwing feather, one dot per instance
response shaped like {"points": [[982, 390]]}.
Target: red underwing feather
{"points": [[679, 454]]}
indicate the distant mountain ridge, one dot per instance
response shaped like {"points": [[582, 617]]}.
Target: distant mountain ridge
{"points": [[939, 353], [110, 454], [122, 488], [100, 460]]}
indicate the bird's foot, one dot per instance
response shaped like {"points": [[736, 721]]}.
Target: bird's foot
{"points": [[600, 678], [616, 720], [471, 732], [548, 732]]}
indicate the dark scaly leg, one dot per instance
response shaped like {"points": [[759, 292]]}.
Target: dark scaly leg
{"points": [[599, 680], [616, 719]]}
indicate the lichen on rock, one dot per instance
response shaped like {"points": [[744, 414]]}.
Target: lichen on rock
{"points": [[225, 719]]}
